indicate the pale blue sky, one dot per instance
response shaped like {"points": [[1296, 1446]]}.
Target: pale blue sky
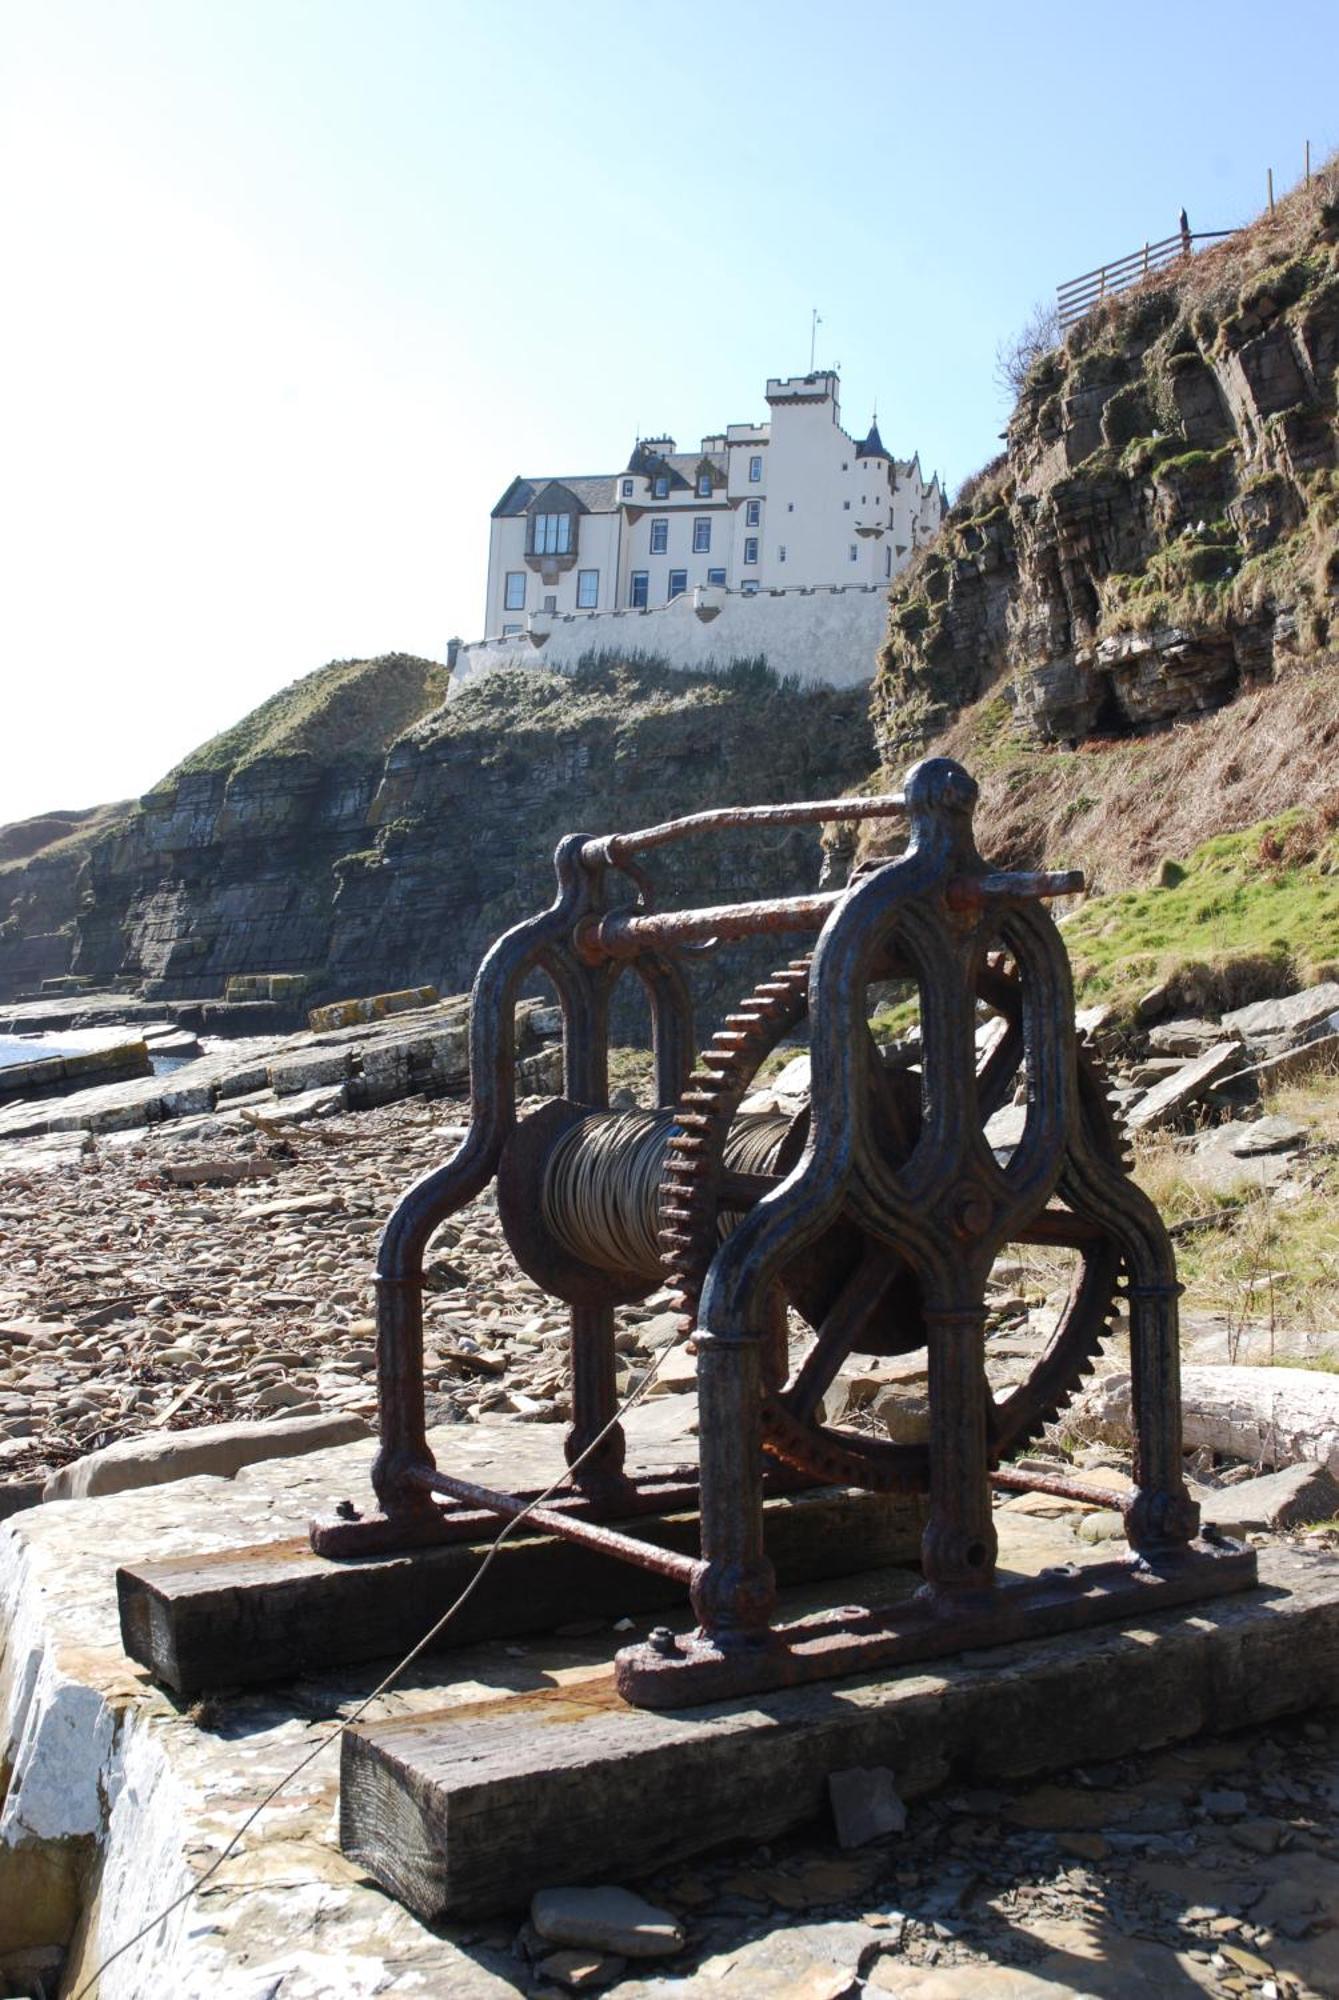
{"points": [[294, 287]]}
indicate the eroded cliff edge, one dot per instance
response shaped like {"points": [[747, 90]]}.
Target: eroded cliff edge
{"points": [[1160, 532]]}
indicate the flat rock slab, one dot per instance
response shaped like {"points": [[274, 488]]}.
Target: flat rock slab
{"points": [[1184, 1087], [469, 1811]]}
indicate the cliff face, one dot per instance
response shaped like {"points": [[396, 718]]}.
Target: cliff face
{"points": [[1161, 530], [43, 864], [360, 832]]}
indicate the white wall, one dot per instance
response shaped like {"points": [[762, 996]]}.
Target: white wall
{"points": [[825, 637], [597, 548]]}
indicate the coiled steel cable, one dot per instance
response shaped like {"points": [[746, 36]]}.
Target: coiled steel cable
{"points": [[601, 1188]]}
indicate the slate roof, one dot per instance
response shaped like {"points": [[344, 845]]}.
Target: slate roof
{"points": [[873, 446], [596, 492]]}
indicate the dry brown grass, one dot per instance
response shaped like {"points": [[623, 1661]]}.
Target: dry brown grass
{"points": [[1117, 807], [1215, 277]]}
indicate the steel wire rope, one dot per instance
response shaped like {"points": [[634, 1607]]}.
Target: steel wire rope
{"points": [[347, 1722], [600, 1197]]}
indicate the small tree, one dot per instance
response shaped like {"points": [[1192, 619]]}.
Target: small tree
{"points": [[1015, 359]]}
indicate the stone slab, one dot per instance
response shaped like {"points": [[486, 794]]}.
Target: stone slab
{"points": [[1290, 1016], [220, 1450], [467, 1812], [1185, 1087]]}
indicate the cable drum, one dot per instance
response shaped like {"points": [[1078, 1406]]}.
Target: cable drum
{"points": [[600, 1196]]}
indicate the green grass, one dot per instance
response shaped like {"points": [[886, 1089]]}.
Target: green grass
{"points": [[1252, 913], [350, 708]]}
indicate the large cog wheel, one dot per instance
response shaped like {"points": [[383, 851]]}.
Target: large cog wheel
{"points": [[875, 1306]]}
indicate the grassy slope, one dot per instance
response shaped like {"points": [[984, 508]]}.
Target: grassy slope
{"points": [[1241, 805], [350, 706]]}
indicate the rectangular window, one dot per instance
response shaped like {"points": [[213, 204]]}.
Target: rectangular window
{"points": [[588, 589], [749, 588], [551, 601], [702, 535], [716, 576], [661, 487], [752, 513], [553, 535], [627, 489], [704, 486], [514, 599], [659, 536], [755, 470], [678, 584], [854, 552], [781, 553], [847, 505], [510, 631], [638, 584], [750, 548]]}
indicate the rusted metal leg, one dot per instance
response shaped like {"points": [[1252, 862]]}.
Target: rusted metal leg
{"points": [[735, 1591], [959, 1545], [404, 1445], [594, 1400], [776, 1347], [1162, 1517]]}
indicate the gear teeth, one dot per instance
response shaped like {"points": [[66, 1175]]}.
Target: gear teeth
{"points": [[720, 1079]]}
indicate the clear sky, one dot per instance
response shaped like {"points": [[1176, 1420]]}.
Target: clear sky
{"points": [[292, 288]]}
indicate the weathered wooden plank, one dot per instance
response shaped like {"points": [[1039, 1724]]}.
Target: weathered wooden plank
{"points": [[467, 1812], [267, 1613]]}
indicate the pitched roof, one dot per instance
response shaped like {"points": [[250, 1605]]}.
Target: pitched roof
{"points": [[873, 446], [594, 491]]}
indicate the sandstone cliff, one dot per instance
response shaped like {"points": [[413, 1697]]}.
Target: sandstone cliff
{"points": [[1161, 529], [357, 830]]}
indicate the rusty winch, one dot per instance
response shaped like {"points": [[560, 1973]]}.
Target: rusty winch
{"points": [[866, 1225]]}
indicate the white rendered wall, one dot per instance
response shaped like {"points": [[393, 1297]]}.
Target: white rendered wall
{"points": [[597, 548], [824, 637]]}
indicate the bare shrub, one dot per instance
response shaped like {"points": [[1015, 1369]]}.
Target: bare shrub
{"points": [[1015, 359]]}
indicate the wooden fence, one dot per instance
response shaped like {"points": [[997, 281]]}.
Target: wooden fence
{"points": [[1081, 295]]}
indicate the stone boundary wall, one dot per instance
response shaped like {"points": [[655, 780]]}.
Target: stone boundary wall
{"points": [[826, 637]]}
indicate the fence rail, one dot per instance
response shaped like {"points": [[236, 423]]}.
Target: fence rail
{"points": [[1080, 295]]}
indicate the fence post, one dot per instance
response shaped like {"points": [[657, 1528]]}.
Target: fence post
{"points": [[1308, 163], [1145, 269], [1270, 172]]}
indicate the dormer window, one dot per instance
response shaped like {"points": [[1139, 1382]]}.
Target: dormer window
{"points": [[660, 486], [552, 535], [627, 489], [704, 486]]}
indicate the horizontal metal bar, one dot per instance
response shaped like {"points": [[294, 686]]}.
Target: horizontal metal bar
{"points": [[548, 1521], [969, 892], [613, 847], [626, 933], [1013, 1479]]}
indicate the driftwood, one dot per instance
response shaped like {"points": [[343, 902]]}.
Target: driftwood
{"points": [[1266, 1416]]}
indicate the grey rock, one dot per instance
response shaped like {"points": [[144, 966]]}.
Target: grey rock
{"points": [[1291, 1016], [1185, 1038], [218, 1449], [609, 1919], [1245, 1138], [865, 1804], [1177, 1093], [1290, 1498]]}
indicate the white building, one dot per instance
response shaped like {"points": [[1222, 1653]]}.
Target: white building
{"points": [[792, 504]]}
